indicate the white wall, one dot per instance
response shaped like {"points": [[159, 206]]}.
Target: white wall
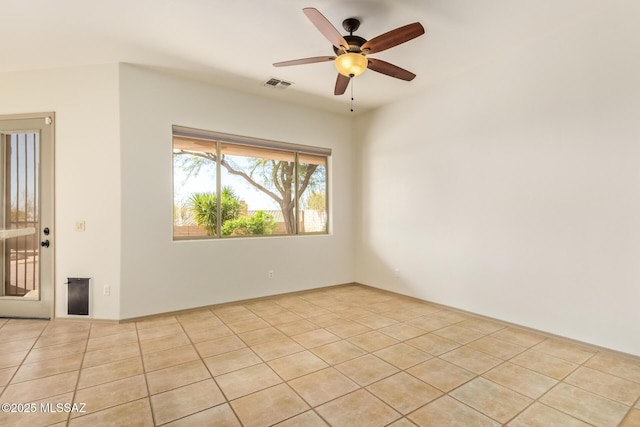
{"points": [[160, 275], [513, 191], [87, 172]]}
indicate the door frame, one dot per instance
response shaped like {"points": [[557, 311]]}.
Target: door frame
{"points": [[47, 186]]}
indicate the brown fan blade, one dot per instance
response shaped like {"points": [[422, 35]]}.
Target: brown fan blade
{"points": [[304, 61], [393, 38], [325, 27], [390, 70], [341, 84]]}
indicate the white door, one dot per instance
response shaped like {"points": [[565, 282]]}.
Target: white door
{"points": [[26, 216]]}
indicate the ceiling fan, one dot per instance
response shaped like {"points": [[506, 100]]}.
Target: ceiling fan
{"points": [[351, 51]]}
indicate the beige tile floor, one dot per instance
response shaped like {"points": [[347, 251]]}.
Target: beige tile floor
{"points": [[343, 356]]}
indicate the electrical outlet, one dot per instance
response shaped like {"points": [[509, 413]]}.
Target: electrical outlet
{"points": [[270, 274], [80, 225], [106, 290], [396, 272]]}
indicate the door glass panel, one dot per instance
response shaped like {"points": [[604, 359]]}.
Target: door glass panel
{"points": [[20, 214]]}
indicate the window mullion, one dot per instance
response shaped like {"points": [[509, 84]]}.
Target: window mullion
{"points": [[218, 191], [295, 194]]}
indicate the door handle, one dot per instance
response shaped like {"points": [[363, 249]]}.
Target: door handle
{"points": [[45, 244]]}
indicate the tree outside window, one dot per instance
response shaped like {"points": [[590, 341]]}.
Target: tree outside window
{"points": [[265, 191]]}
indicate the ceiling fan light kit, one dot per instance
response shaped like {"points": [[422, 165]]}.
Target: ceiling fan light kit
{"points": [[351, 64], [351, 51]]}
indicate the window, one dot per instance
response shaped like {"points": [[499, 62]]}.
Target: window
{"points": [[265, 187]]}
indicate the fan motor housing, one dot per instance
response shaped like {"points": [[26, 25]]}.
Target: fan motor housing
{"points": [[355, 43]]}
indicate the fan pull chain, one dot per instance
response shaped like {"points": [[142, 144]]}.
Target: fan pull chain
{"points": [[352, 82]]}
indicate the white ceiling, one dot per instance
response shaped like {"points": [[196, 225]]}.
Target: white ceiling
{"points": [[234, 43]]}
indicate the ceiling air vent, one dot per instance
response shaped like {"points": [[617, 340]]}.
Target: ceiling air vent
{"points": [[276, 83]]}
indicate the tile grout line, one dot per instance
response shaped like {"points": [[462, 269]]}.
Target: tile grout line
{"points": [[378, 329], [6, 387], [144, 374], [360, 387], [311, 406], [111, 380], [447, 393], [75, 389], [304, 312], [105, 383], [324, 328], [227, 401], [536, 400], [631, 411], [525, 349], [562, 381], [481, 375], [310, 349], [314, 408], [286, 382]]}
